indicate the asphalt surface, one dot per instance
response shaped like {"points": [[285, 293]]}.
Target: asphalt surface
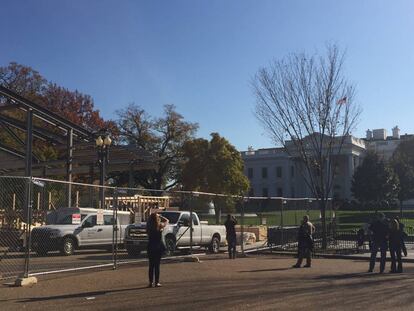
{"points": [[12, 263], [261, 282]]}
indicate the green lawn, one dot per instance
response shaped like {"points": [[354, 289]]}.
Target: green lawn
{"points": [[345, 220]]}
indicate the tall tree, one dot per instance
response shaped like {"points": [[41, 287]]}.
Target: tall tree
{"points": [[402, 163], [72, 105], [307, 106], [164, 137], [23, 80], [374, 182], [214, 166]]}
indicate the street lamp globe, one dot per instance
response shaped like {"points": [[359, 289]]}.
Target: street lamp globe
{"points": [[107, 141], [99, 141]]}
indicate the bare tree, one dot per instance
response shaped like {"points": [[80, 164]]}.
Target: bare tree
{"points": [[307, 106]]}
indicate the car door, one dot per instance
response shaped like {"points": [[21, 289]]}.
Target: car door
{"points": [[108, 229], [197, 238], [183, 232], [89, 231]]}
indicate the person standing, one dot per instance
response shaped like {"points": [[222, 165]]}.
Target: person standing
{"points": [[403, 236], [396, 243], [230, 225], [380, 231], [155, 248], [305, 242]]}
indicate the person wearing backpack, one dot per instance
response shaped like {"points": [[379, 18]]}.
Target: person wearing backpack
{"points": [[305, 243], [380, 232]]}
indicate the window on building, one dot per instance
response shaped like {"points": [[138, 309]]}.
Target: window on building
{"points": [[264, 172], [279, 172], [292, 171], [251, 192], [265, 192], [292, 192], [250, 172], [280, 192]]}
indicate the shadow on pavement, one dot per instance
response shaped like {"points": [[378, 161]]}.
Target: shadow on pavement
{"points": [[267, 270], [80, 295]]}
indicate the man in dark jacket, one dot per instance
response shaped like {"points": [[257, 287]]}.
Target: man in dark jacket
{"points": [[230, 224], [380, 234], [305, 242]]}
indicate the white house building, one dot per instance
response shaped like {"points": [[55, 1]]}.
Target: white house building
{"points": [[272, 172]]}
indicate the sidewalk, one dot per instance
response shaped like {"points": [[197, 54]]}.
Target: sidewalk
{"points": [[261, 282]]}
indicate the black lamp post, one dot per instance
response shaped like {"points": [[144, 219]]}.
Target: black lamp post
{"points": [[102, 145]]}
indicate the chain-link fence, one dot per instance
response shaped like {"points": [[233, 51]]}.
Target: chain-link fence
{"points": [[74, 226], [13, 227]]}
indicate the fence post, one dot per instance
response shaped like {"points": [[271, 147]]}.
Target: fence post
{"points": [[115, 229], [191, 223], [242, 227], [282, 237], [29, 205]]}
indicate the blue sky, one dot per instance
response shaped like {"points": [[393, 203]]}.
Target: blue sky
{"points": [[201, 55]]}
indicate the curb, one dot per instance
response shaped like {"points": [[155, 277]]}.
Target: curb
{"points": [[333, 256]]}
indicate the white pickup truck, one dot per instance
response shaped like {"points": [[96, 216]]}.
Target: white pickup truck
{"points": [[68, 229], [177, 234]]}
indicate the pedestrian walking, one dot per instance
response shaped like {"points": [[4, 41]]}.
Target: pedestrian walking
{"points": [[305, 242], [230, 225], [395, 242], [380, 231], [155, 248]]}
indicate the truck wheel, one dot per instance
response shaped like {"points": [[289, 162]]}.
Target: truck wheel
{"points": [[169, 246], [133, 251], [214, 245], [68, 247]]}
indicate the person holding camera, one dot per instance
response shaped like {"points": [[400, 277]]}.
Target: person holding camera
{"points": [[155, 248], [230, 225]]}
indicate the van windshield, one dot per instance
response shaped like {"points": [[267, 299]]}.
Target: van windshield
{"points": [[56, 218]]}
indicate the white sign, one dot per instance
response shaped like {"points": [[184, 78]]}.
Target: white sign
{"points": [[76, 219], [99, 217]]}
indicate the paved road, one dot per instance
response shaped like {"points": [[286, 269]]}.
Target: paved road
{"points": [[263, 282], [12, 264]]}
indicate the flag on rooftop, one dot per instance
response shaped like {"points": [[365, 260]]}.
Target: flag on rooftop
{"points": [[342, 101]]}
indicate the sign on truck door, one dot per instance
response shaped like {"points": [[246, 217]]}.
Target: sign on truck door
{"points": [[92, 234]]}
